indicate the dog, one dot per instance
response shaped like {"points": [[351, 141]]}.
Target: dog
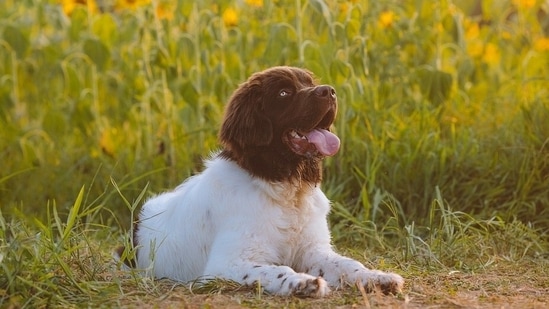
{"points": [[256, 214]]}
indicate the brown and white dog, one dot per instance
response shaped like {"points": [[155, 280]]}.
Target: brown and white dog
{"points": [[256, 214]]}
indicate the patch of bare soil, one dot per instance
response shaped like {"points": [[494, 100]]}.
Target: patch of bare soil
{"points": [[508, 286], [496, 288]]}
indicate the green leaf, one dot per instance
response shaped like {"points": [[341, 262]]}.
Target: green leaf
{"points": [[98, 53], [7, 177], [435, 85], [78, 24], [58, 222], [323, 18], [189, 92], [339, 71], [17, 40], [54, 123], [281, 44], [73, 214], [321, 7], [352, 30], [105, 28]]}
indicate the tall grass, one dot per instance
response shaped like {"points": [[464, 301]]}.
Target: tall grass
{"points": [[443, 121], [426, 100]]}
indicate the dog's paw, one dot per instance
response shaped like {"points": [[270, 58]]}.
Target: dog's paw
{"points": [[303, 285], [391, 283], [315, 287], [387, 283]]}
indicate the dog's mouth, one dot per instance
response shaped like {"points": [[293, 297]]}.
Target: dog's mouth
{"points": [[318, 141], [313, 143]]}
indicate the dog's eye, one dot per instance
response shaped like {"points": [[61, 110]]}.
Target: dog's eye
{"points": [[284, 93]]}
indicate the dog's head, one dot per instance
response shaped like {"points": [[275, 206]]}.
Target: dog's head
{"points": [[278, 122]]}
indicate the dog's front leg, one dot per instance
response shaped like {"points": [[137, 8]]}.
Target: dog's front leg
{"points": [[339, 270], [278, 280], [252, 259]]}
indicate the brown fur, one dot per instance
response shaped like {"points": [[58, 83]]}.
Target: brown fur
{"points": [[257, 118]]}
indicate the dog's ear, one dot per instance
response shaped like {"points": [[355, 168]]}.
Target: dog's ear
{"points": [[245, 123]]}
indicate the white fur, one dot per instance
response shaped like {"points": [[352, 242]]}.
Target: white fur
{"points": [[226, 223]]}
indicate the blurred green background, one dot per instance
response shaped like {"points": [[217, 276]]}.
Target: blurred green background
{"points": [[440, 101]]}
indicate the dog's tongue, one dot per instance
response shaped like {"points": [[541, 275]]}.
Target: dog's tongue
{"points": [[326, 142]]}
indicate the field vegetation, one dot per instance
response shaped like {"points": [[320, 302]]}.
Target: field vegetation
{"points": [[443, 175]]}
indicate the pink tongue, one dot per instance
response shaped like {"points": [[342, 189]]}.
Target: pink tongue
{"points": [[325, 141]]}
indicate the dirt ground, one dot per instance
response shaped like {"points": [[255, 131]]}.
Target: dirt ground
{"points": [[497, 287]]}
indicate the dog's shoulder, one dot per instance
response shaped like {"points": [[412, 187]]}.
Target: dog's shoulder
{"points": [[225, 175]]}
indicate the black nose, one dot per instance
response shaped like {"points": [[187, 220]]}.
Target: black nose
{"points": [[325, 91]]}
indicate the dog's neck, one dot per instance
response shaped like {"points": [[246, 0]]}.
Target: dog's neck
{"points": [[263, 163]]}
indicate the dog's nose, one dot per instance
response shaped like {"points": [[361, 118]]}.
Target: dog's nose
{"points": [[325, 91]]}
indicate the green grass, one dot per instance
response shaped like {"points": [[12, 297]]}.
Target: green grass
{"points": [[443, 119]]}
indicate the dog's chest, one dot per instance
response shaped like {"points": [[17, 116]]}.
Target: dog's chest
{"points": [[293, 216], [288, 213]]}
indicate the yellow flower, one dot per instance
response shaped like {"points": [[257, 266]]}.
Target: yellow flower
{"points": [[524, 4], [130, 4], [386, 19], [343, 7], [256, 3], [491, 54], [70, 5], [475, 48], [472, 29], [230, 18], [541, 44], [164, 10], [107, 141], [439, 27]]}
